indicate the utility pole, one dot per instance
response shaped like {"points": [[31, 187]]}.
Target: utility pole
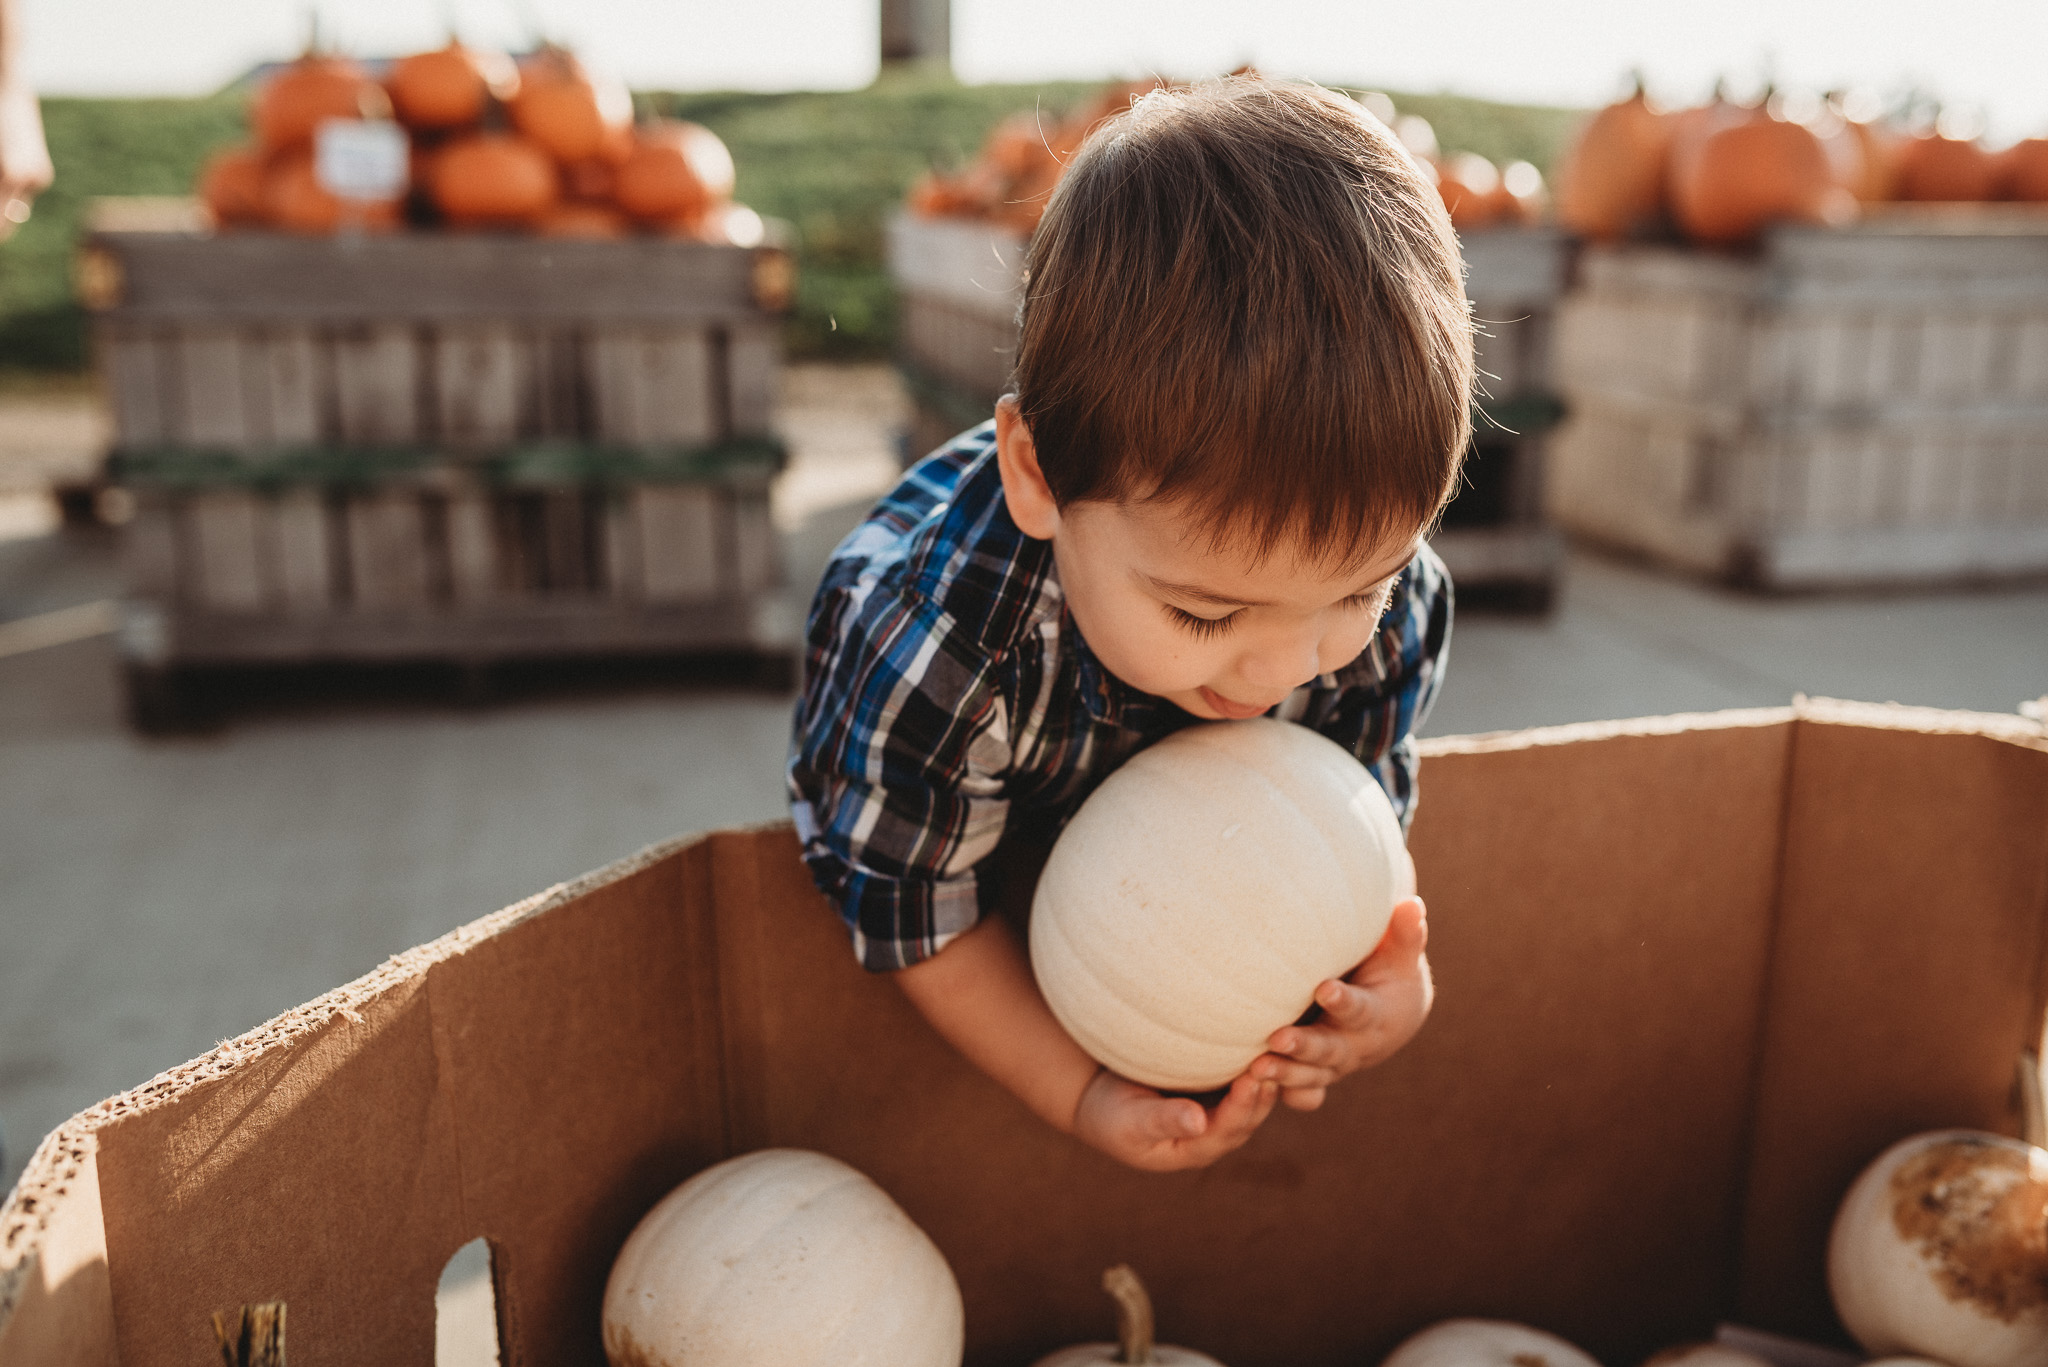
{"points": [[917, 32]]}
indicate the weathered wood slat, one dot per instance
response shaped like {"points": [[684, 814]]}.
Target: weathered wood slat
{"points": [[428, 277], [389, 567], [655, 386], [472, 558], [284, 387], [228, 529], [753, 374], [377, 384], [478, 375], [210, 406], [678, 535], [131, 359], [303, 552]]}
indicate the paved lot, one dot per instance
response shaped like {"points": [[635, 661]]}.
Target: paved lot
{"points": [[161, 895]]}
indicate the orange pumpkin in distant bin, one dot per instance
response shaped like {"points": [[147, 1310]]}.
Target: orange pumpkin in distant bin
{"points": [[675, 172], [1470, 186], [2023, 171], [1932, 167], [1612, 179], [1743, 176], [231, 183], [295, 200], [297, 99], [450, 87], [569, 114], [493, 179], [580, 220], [1862, 154]]}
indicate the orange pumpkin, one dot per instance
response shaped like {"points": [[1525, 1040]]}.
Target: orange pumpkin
{"points": [[591, 179], [2023, 171], [1731, 183], [450, 87], [231, 183], [578, 220], [569, 114], [1612, 180], [1471, 189], [493, 179], [311, 90], [1932, 167], [675, 172], [295, 200]]}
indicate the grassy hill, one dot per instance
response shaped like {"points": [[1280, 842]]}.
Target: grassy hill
{"points": [[833, 163]]}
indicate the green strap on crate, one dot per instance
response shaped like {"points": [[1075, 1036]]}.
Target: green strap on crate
{"points": [[533, 464]]}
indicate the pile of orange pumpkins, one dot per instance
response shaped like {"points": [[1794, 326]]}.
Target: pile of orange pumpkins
{"points": [[1722, 172], [539, 145], [1009, 183]]}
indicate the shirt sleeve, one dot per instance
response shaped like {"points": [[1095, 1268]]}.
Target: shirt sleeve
{"points": [[1372, 706], [895, 772]]}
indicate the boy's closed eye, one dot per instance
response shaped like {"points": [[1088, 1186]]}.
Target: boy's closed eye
{"points": [[1372, 600]]}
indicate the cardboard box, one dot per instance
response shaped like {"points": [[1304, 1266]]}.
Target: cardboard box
{"points": [[1693, 973]]}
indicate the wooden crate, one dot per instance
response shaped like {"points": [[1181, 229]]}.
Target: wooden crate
{"points": [[1853, 406], [542, 552], [959, 284], [333, 445]]}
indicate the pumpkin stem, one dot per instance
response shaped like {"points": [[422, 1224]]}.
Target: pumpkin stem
{"points": [[1133, 1314]]}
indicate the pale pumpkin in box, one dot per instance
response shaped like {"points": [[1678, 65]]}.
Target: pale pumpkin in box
{"points": [[1485, 1343], [781, 1258], [1201, 894], [1941, 1249], [1134, 1333]]}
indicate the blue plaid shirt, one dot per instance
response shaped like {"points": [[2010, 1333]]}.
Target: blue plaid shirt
{"points": [[947, 695]]}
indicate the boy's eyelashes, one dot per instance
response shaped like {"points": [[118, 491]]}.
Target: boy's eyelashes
{"points": [[1207, 628], [1202, 628]]}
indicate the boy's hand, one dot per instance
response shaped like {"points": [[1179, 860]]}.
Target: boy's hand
{"points": [[1368, 1015], [1138, 1126]]}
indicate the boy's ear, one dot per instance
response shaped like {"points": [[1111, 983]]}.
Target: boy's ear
{"points": [[1032, 506]]}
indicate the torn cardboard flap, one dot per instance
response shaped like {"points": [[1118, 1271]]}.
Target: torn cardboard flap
{"points": [[1692, 974]]}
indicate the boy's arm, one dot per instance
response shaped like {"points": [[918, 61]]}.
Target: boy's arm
{"points": [[979, 994]]}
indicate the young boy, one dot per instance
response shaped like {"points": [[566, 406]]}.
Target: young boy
{"points": [[1240, 400]]}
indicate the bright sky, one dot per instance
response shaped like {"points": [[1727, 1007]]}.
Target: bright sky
{"points": [[1979, 54]]}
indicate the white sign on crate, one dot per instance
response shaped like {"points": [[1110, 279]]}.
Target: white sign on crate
{"points": [[363, 159]]}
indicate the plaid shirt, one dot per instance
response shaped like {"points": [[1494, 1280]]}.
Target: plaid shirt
{"points": [[948, 694]]}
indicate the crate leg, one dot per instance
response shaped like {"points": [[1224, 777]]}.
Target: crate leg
{"points": [[164, 700]]}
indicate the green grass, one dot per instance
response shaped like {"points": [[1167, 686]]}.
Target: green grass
{"points": [[834, 164]]}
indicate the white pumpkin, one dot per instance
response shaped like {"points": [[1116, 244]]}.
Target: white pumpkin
{"points": [[1485, 1343], [781, 1258], [1704, 1355], [1941, 1249], [1134, 1333], [1198, 897]]}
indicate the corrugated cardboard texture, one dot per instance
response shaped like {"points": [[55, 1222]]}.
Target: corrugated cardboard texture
{"points": [[1681, 963], [1561, 1144], [1906, 977], [63, 1312]]}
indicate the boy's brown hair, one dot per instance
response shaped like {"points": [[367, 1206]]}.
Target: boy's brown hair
{"points": [[1245, 296]]}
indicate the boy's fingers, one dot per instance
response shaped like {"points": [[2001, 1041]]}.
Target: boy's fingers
{"points": [[1241, 1111], [1173, 1118], [1291, 1072], [1406, 938], [1304, 1098]]}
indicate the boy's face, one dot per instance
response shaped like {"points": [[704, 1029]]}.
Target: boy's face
{"points": [[1222, 634]]}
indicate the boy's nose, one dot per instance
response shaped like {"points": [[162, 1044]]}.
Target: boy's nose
{"points": [[1281, 669]]}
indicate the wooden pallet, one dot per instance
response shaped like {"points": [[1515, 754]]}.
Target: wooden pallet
{"points": [[332, 443], [1855, 406], [959, 284]]}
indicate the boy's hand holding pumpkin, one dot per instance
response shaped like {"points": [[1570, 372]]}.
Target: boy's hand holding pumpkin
{"points": [[1134, 1124], [1367, 1015]]}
